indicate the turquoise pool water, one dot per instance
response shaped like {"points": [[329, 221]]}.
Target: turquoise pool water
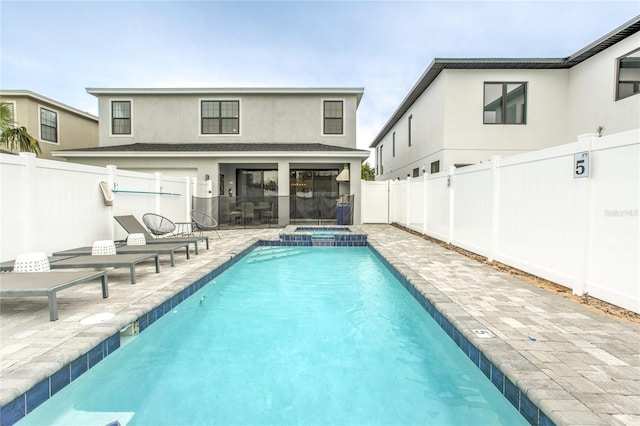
{"points": [[321, 336]]}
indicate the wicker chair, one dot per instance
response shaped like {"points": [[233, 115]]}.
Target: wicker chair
{"points": [[158, 225], [203, 222]]}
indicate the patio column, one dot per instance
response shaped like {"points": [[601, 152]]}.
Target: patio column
{"points": [[214, 176], [283, 193], [356, 189]]}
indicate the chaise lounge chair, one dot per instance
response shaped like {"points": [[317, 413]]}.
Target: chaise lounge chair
{"points": [[106, 261], [27, 284], [169, 248], [133, 226]]}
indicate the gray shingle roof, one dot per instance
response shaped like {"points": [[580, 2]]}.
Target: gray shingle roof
{"points": [[218, 147], [437, 65]]}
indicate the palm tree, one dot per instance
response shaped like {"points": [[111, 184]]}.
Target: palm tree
{"points": [[367, 172], [12, 137]]}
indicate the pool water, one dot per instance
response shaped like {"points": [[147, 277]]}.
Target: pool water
{"points": [[324, 336]]}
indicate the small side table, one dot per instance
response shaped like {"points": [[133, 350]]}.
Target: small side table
{"points": [[184, 229]]}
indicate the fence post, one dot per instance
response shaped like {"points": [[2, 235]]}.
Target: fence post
{"points": [[452, 171], [495, 207], [583, 194], [425, 204], [28, 184], [112, 171], [408, 202], [158, 189], [187, 198]]}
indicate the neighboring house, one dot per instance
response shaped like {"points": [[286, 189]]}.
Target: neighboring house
{"points": [[463, 111], [54, 124], [256, 144]]}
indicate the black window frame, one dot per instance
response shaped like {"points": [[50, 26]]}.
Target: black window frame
{"points": [[435, 166], [393, 144], [503, 109], [45, 129], [326, 120], [635, 64], [124, 122], [416, 172], [219, 127], [410, 120]]}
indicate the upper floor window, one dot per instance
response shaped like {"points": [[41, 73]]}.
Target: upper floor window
{"points": [[435, 167], [628, 75], [380, 158], [120, 117], [409, 129], [505, 103], [10, 111], [220, 117], [48, 125], [333, 118], [393, 144], [416, 172], [11, 108]]}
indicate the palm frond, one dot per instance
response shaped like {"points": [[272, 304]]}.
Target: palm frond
{"points": [[13, 138]]}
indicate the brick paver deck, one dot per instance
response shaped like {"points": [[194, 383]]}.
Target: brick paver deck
{"points": [[579, 367]]}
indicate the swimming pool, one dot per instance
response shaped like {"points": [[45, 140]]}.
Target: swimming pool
{"points": [[344, 344]]}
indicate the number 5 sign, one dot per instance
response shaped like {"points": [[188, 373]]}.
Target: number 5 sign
{"points": [[581, 164]]}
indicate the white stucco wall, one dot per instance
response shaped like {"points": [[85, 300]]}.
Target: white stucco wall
{"points": [[427, 128], [465, 131], [448, 126], [592, 91]]}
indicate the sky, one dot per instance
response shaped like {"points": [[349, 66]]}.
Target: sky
{"points": [[60, 48]]}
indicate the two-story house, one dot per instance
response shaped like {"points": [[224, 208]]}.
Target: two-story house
{"points": [[54, 124], [463, 111], [263, 145]]}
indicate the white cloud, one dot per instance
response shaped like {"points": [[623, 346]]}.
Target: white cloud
{"points": [[381, 46]]}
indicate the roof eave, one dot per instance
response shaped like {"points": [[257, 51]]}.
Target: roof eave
{"points": [[209, 154], [437, 65], [40, 98], [356, 91]]}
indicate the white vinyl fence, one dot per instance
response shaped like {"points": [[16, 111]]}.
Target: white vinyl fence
{"points": [[48, 205], [569, 214]]}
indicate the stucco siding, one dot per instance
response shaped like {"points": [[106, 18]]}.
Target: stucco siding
{"points": [[263, 118], [426, 135], [73, 130], [471, 139], [592, 92]]}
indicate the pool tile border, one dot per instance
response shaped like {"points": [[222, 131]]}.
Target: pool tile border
{"points": [[45, 389], [350, 239], [516, 396]]}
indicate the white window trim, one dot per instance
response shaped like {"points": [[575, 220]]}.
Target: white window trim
{"points": [[220, 135], [40, 108], [119, 135], [344, 118], [15, 110]]}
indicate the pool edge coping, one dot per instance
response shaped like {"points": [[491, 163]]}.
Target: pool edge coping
{"points": [[441, 311]]}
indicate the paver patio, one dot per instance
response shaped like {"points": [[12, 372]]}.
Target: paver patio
{"points": [[579, 367]]}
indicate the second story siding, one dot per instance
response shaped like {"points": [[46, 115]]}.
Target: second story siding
{"points": [[55, 125], [215, 116]]}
